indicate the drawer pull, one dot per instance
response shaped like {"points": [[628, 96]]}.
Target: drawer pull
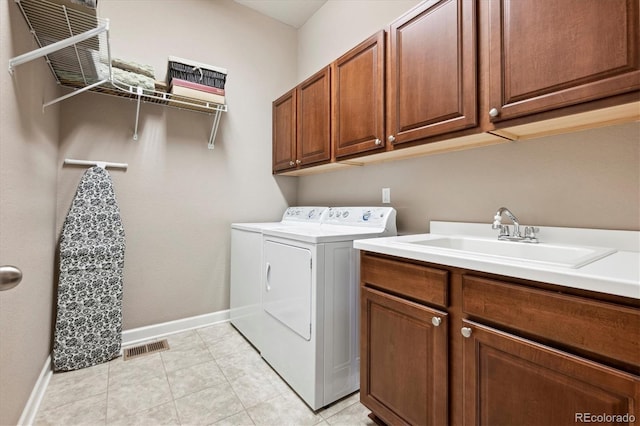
{"points": [[466, 332], [436, 321]]}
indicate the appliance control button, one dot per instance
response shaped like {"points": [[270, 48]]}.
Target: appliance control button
{"points": [[346, 213], [366, 215]]}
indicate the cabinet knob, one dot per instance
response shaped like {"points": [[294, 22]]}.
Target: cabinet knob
{"points": [[291, 163], [466, 332], [378, 142], [391, 138], [493, 112], [298, 162], [436, 321]]}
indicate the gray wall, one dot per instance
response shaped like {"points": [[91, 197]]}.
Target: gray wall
{"points": [[28, 145], [586, 179], [589, 179], [178, 198]]}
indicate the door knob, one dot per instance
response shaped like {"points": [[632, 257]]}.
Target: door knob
{"points": [[378, 142], [391, 138], [493, 112], [466, 332], [436, 321], [10, 276]]}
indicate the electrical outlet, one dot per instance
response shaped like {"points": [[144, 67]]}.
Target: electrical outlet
{"points": [[386, 195]]}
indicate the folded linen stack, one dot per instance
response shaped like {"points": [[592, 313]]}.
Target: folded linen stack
{"points": [[132, 73], [196, 80]]}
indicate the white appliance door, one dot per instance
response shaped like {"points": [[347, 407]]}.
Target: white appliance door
{"points": [[287, 286]]}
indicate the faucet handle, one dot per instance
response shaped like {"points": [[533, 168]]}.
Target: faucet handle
{"points": [[530, 232], [504, 231], [497, 221]]}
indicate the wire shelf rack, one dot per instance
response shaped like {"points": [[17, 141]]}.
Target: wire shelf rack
{"points": [[75, 44]]}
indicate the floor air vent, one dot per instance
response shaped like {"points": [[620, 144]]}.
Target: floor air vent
{"points": [[146, 349]]}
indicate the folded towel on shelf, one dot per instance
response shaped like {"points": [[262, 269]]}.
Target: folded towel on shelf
{"points": [[134, 67], [126, 77], [132, 78]]}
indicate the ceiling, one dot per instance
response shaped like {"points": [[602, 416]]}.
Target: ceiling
{"points": [[291, 12]]}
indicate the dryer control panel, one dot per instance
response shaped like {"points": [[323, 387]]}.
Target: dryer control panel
{"points": [[378, 217]]}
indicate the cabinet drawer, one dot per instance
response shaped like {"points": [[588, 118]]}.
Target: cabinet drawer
{"points": [[586, 324], [417, 282]]}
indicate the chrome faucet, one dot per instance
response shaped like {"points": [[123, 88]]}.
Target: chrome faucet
{"points": [[529, 231]]}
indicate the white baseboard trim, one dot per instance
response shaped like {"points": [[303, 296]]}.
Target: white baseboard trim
{"points": [[141, 334], [30, 410]]}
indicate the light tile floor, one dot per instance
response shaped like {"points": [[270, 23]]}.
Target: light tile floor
{"points": [[210, 376]]}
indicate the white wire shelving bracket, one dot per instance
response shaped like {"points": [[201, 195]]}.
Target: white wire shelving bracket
{"points": [[77, 50]]}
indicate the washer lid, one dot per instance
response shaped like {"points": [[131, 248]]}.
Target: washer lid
{"points": [[293, 216]]}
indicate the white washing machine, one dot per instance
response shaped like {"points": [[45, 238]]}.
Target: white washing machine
{"points": [[246, 268], [310, 299]]}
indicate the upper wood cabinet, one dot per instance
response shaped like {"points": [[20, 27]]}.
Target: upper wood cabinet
{"points": [[284, 132], [455, 74], [314, 119], [301, 124], [547, 55], [357, 119], [432, 87]]}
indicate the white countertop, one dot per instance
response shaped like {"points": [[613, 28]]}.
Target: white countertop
{"points": [[617, 273]]}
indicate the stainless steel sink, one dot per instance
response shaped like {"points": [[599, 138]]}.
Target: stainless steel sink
{"points": [[551, 254]]}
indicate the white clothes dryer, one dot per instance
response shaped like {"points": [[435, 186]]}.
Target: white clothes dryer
{"points": [[246, 271], [310, 299]]}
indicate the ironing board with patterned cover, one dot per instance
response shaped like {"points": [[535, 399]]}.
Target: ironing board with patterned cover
{"points": [[88, 328]]}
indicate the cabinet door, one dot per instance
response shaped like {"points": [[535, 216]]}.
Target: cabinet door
{"points": [[358, 98], [552, 54], [314, 131], [403, 360], [512, 381], [284, 132], [432, 84]]}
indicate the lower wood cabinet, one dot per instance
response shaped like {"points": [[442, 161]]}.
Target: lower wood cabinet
{"points": [[513, 381], [404, 346], [493, 350]]}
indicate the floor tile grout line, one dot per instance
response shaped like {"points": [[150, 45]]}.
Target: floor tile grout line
{"points": [[173, 398]]}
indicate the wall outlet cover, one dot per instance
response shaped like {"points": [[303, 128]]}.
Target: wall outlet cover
{"points": [[386, 195]]}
